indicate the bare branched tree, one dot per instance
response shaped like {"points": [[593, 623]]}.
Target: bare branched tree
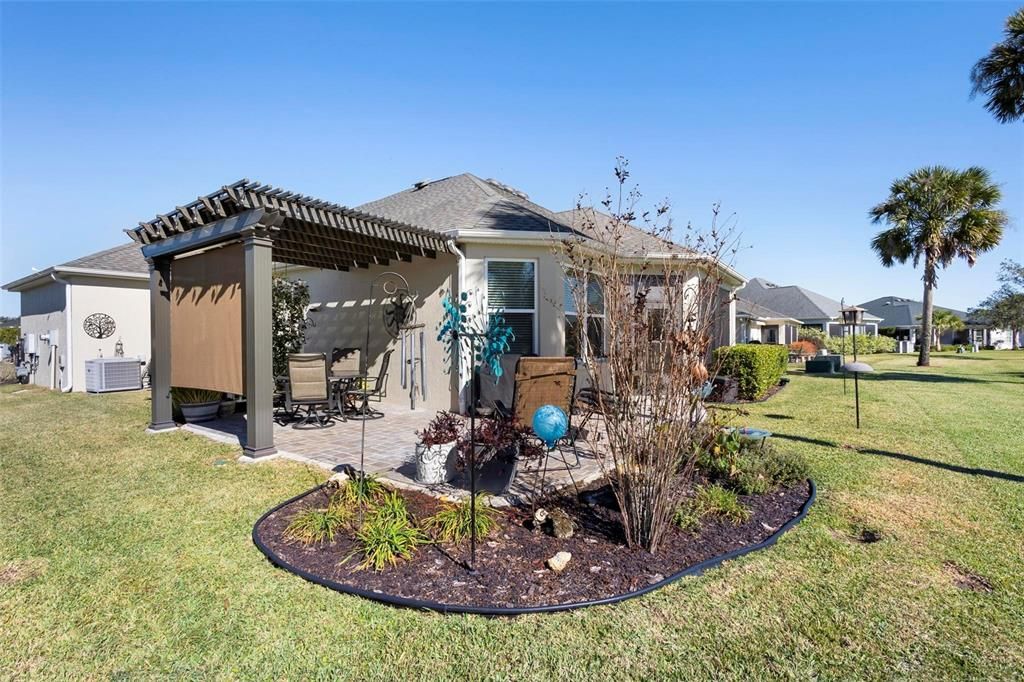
{"points": [[663, 307]]}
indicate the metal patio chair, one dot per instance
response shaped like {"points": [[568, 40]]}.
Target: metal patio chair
{"points": [[308, 386], [377, 390]]}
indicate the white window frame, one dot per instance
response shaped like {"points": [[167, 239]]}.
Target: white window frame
{"points": [[536, 294], [584, 341]]}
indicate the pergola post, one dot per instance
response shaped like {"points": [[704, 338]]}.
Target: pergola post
{"points": [[161, 417], [258, 340]]}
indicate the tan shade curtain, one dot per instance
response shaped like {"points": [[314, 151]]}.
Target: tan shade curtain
{"points": [[206, 320]]}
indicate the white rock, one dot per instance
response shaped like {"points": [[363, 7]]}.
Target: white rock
{"points": [[558, 562]]}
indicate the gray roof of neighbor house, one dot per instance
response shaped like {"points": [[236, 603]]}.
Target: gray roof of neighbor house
{"points": [[904, 312], [745, 308], [793, 301], [125, 261]]}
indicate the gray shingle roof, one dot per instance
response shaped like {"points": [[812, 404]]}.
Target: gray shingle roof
{"points": [[902, 312], [793, 301], [124, 258], [634, 239], [750, 309]]}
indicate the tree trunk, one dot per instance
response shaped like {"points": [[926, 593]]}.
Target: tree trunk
{"points": [[924, 357], [938, 339], [1015, 340]]}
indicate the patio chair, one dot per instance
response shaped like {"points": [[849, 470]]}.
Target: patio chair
{"points": [[376, 390], [309, 387], [346, 360]]}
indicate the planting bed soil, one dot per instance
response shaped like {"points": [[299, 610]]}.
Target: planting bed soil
{"points": [[511, 570]]}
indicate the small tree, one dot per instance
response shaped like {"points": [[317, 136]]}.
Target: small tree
{"points": [[291, 300], [660, 317], [10, 335], [1005, 307], [942, 320]]}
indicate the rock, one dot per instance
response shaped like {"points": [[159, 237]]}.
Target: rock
{"points": [[767, 527], [540, 517], [558, 562], [492, 544], [337, 480], [656, 578], [560, 525], [595, 569]]}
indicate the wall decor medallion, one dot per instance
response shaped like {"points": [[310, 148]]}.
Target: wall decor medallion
{"points": [[99, 325]]}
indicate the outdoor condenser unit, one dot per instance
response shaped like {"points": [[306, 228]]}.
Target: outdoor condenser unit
{"points": [[103, 375]]}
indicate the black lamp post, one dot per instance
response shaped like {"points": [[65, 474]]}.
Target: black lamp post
{"points": [[854, 316]]}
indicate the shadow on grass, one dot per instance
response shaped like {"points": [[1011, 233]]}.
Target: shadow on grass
{"points": [[956, 468]]}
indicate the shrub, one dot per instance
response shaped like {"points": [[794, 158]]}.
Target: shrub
{"points": [[391, 505], [755, 367], [317, 525], [750, 468], [712, 500], [386, 537], [752, 477], [865, 344], [444, 428], [812, 335], [453, 523], [290, 302], [785, 468], [803, 347], [719, 461], [359, 490]]}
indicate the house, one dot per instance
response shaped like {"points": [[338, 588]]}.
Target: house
{"points": [[213, 261], [809, 308], [901, 319], [756, 323], [64, 308]]}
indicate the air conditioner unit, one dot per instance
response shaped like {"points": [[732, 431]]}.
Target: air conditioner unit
{"points": [[103, 375]]}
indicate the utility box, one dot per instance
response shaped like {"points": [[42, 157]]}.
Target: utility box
{"points": [[103, 375]]}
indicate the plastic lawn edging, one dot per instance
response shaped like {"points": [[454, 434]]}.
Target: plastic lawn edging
{"points": [[694, 570]]}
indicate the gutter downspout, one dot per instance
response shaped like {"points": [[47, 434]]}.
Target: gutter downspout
{"points": [[68, 363], [461, 277]]}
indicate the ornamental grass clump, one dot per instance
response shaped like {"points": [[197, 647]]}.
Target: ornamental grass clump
{"points": [[359, 491], [387, 535], [651, 309], [318, 524], [454, 522], [711, 500]]}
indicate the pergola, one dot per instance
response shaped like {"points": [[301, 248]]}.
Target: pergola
{"points": [[211, 266]]}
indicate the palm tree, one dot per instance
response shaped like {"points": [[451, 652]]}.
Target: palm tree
{"points": [[942, 320], [1000, 74], [936, 215]]}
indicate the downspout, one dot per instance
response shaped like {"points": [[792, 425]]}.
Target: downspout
{"points": [[461, 278], [67, 373]]}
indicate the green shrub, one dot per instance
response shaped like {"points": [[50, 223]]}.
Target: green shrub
{"points": [[749, 467], [385, 538], [317, 525], [752, 477], [712, 500], [719, 462], [865, 344], [453, 523], [815, 336], [359, 490], [756, 367], [785, 467]]}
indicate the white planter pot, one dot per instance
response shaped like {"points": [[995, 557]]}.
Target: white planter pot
{"points": [[435, 464], [200, 412]]}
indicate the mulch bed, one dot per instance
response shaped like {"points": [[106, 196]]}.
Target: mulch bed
{"points": [[510, 563]]}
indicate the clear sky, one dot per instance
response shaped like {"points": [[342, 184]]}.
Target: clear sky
{"points": [[795, 116]]}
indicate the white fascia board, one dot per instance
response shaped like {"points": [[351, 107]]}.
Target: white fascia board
{"points": [[44, 276]]}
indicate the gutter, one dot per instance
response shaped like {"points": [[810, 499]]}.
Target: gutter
{"points": [[37, 277]]}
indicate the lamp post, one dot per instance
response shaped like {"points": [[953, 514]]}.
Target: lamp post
{"points": [[854, 316]]}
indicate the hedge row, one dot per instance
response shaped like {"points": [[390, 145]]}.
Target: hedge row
{"points": [[756, 367]]}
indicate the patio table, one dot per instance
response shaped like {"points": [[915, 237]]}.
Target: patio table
{"points": [[341, 382]]}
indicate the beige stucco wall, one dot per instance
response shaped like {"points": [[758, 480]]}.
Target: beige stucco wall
{"points": [[127, 301], [42, 313], [339, 303]]}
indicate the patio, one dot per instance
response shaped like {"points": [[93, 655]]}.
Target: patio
{"points": [[390, 444]]}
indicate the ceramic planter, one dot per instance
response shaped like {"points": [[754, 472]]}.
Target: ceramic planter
{"points": [[200, 412], [435, 464]]}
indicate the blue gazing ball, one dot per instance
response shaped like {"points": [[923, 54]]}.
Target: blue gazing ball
{"points": [[550, 424]]}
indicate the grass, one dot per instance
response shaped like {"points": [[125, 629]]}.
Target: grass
{"points": [[124, 554]]}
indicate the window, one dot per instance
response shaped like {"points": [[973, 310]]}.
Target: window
{"points": [[594, 316], [512, 293]]}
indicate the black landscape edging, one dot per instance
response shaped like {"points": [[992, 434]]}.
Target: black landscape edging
{"points": [[695, 570]]}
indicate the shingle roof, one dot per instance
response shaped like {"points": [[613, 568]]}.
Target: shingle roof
{"points": [[902, 312], [750, 309], [793, 301], [124, 258], [465, 202], [634, 238]]}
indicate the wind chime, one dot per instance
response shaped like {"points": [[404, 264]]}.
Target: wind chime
{"points": [[472, 342]]}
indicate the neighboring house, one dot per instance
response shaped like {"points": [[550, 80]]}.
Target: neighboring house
{"points": [[55, 303], [757, 323], [502, 249], [809, 308], [901, 319]]}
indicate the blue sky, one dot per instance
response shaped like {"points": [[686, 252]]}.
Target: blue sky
{"points": [[795, 116]]}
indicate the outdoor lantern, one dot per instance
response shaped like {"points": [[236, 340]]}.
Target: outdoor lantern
{"points": [[550, 424], [852, 315]]}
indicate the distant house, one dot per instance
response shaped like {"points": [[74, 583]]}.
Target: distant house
{"points": [[901, 319], [57, 302], [809, 308], [756, 323]]}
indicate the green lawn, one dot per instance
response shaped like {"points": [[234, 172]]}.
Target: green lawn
{"points": [[130, 555]]}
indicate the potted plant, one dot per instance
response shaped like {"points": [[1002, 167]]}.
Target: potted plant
{"points": [[500, 445], [435, 451], [197, 404]]}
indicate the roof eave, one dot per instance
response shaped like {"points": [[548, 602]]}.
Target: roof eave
{"points": [[36, 278]]}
